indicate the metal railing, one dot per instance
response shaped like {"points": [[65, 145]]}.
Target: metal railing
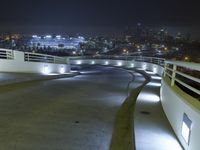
{"points": [[184, 74], [36, 57], [6, 54], [154, 60]]}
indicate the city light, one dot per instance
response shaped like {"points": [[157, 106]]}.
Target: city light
{"points": [[106, 63], [186, 58], [93, 62]]}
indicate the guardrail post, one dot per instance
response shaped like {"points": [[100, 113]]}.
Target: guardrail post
{"points": [[7, 55], [27, 56], [54, 59], [165, 69], [173, 75]]}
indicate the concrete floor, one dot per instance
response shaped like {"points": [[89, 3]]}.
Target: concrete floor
{"points": [[152, 129], [64, 114]]}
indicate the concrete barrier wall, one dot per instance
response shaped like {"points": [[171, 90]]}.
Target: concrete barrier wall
{"points": [[123, 63], [19, 65], [175, 105]]}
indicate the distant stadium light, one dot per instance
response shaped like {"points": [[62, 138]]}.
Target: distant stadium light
{"points": [[58, 36], [48, 36], [34, 36]]}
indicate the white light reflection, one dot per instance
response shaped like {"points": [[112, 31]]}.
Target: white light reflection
{"points": [[106, 63], [149, 72], [156, 77], [149, 97], [154, 84], [93, 62]]}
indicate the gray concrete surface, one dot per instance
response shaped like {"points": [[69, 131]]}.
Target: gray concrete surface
{"points": [[152, 129], [11, 78], [63, 114]]}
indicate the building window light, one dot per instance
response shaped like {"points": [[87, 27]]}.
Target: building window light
{"points": [[186, 128]]}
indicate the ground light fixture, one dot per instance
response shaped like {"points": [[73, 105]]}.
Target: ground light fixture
{"points": [[93, 62], [154, 69], [106, 63], [78, 62], [62, 70], [46, 69], [132, 64], [119, 64], [186, 128]]}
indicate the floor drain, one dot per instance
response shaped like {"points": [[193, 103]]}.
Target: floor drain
{"points": [[145, 112], [76, 122]]}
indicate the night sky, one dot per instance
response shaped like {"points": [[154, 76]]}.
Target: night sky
{"points": [[95, 15]]}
